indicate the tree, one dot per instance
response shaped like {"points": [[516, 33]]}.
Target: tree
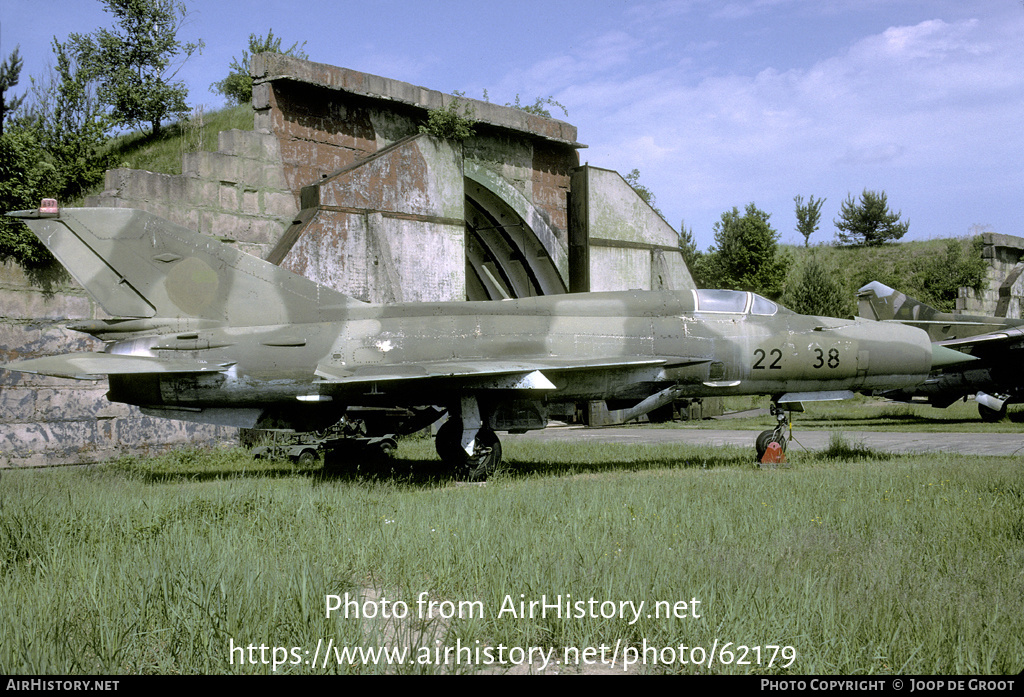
{"points": [[133, 63], [10, 73], [869, 222], [942, 276], [687, 245], [70, 125], [745, 255], [692, 256], [237, 86], [807, 217], [633, 179], [21, 176], [51, 149], [817, 291]]}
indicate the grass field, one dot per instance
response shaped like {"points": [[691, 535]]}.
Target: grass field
{"points": [[196, 133], [845, 562]]}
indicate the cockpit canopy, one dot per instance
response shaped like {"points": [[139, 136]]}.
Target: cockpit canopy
{"points": [[738, 302]]}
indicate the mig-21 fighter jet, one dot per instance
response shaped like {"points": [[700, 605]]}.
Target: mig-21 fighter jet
{"points": [[207, 333]]}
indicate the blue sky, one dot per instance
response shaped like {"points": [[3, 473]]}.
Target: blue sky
{"points": [[717, 103]]}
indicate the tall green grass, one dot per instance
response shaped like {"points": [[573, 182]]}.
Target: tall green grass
{"points": [[195, 132], [903, 564]]}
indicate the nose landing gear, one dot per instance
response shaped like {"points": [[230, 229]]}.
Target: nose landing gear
{"points": [[770, 445]]}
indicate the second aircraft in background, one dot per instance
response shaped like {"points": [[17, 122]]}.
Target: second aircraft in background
{"points": [[994, 380]]}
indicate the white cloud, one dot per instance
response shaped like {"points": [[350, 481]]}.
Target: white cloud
{"points": [[908, 107]]}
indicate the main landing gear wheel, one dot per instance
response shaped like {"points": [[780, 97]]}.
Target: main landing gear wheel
{"points": [[990, 415], [486, 452]]}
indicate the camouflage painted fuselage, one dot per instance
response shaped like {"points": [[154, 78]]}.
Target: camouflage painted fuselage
{"points": [[212, 334], [618, 346]]}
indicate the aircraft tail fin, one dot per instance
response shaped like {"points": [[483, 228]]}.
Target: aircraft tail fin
{"points": [[138, 265], [879, 302]]}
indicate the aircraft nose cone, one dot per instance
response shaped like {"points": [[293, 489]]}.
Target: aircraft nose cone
{"points": [[942, 356]]}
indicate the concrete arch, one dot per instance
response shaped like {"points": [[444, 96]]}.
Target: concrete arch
{"points": [[511, 249]]}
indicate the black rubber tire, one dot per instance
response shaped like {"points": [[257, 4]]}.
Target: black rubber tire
{"points": [[481, 466], [990, 415], [478, 468], [387, 448], [447, 445]]}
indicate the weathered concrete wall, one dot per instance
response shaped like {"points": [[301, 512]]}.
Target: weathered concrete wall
{"points": [[49, 421], [1011, 294], [238, 193], [327, 117], [389, 228], [331, 121], [618, 240], [1003, 294]]}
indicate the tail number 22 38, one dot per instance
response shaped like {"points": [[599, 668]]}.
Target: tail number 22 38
{"points": [[769, 360]]}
